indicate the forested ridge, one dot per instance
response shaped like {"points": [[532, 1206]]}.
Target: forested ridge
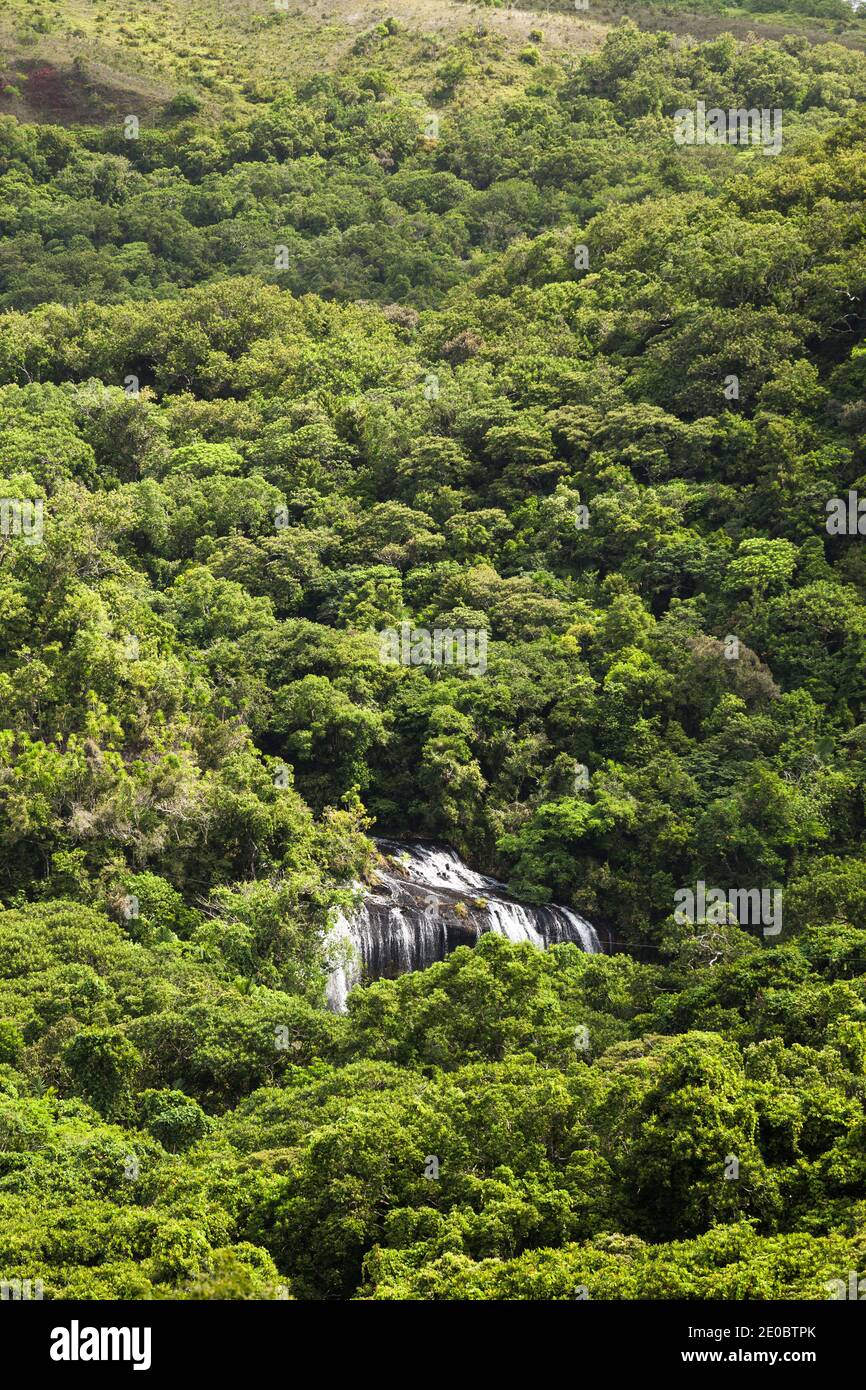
{"points": [[479, 348]]}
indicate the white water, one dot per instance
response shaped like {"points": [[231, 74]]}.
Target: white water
{"points": [[410, 918]]}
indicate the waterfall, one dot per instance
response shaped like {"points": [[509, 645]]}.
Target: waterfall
{"points": [[425, 902]]}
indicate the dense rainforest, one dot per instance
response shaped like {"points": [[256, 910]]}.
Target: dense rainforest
{"points": [[449, 332]]}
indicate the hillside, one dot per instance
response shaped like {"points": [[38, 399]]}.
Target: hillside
{"points": [[324, 324]]}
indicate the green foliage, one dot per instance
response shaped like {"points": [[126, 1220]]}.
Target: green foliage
{"points": [[172, 1117], [103, 1065], [429, 411]]}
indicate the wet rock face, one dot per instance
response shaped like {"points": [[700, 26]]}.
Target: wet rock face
{"points": [[424, 903]]}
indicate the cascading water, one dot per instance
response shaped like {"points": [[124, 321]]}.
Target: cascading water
{"points": [[424, 903]]}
